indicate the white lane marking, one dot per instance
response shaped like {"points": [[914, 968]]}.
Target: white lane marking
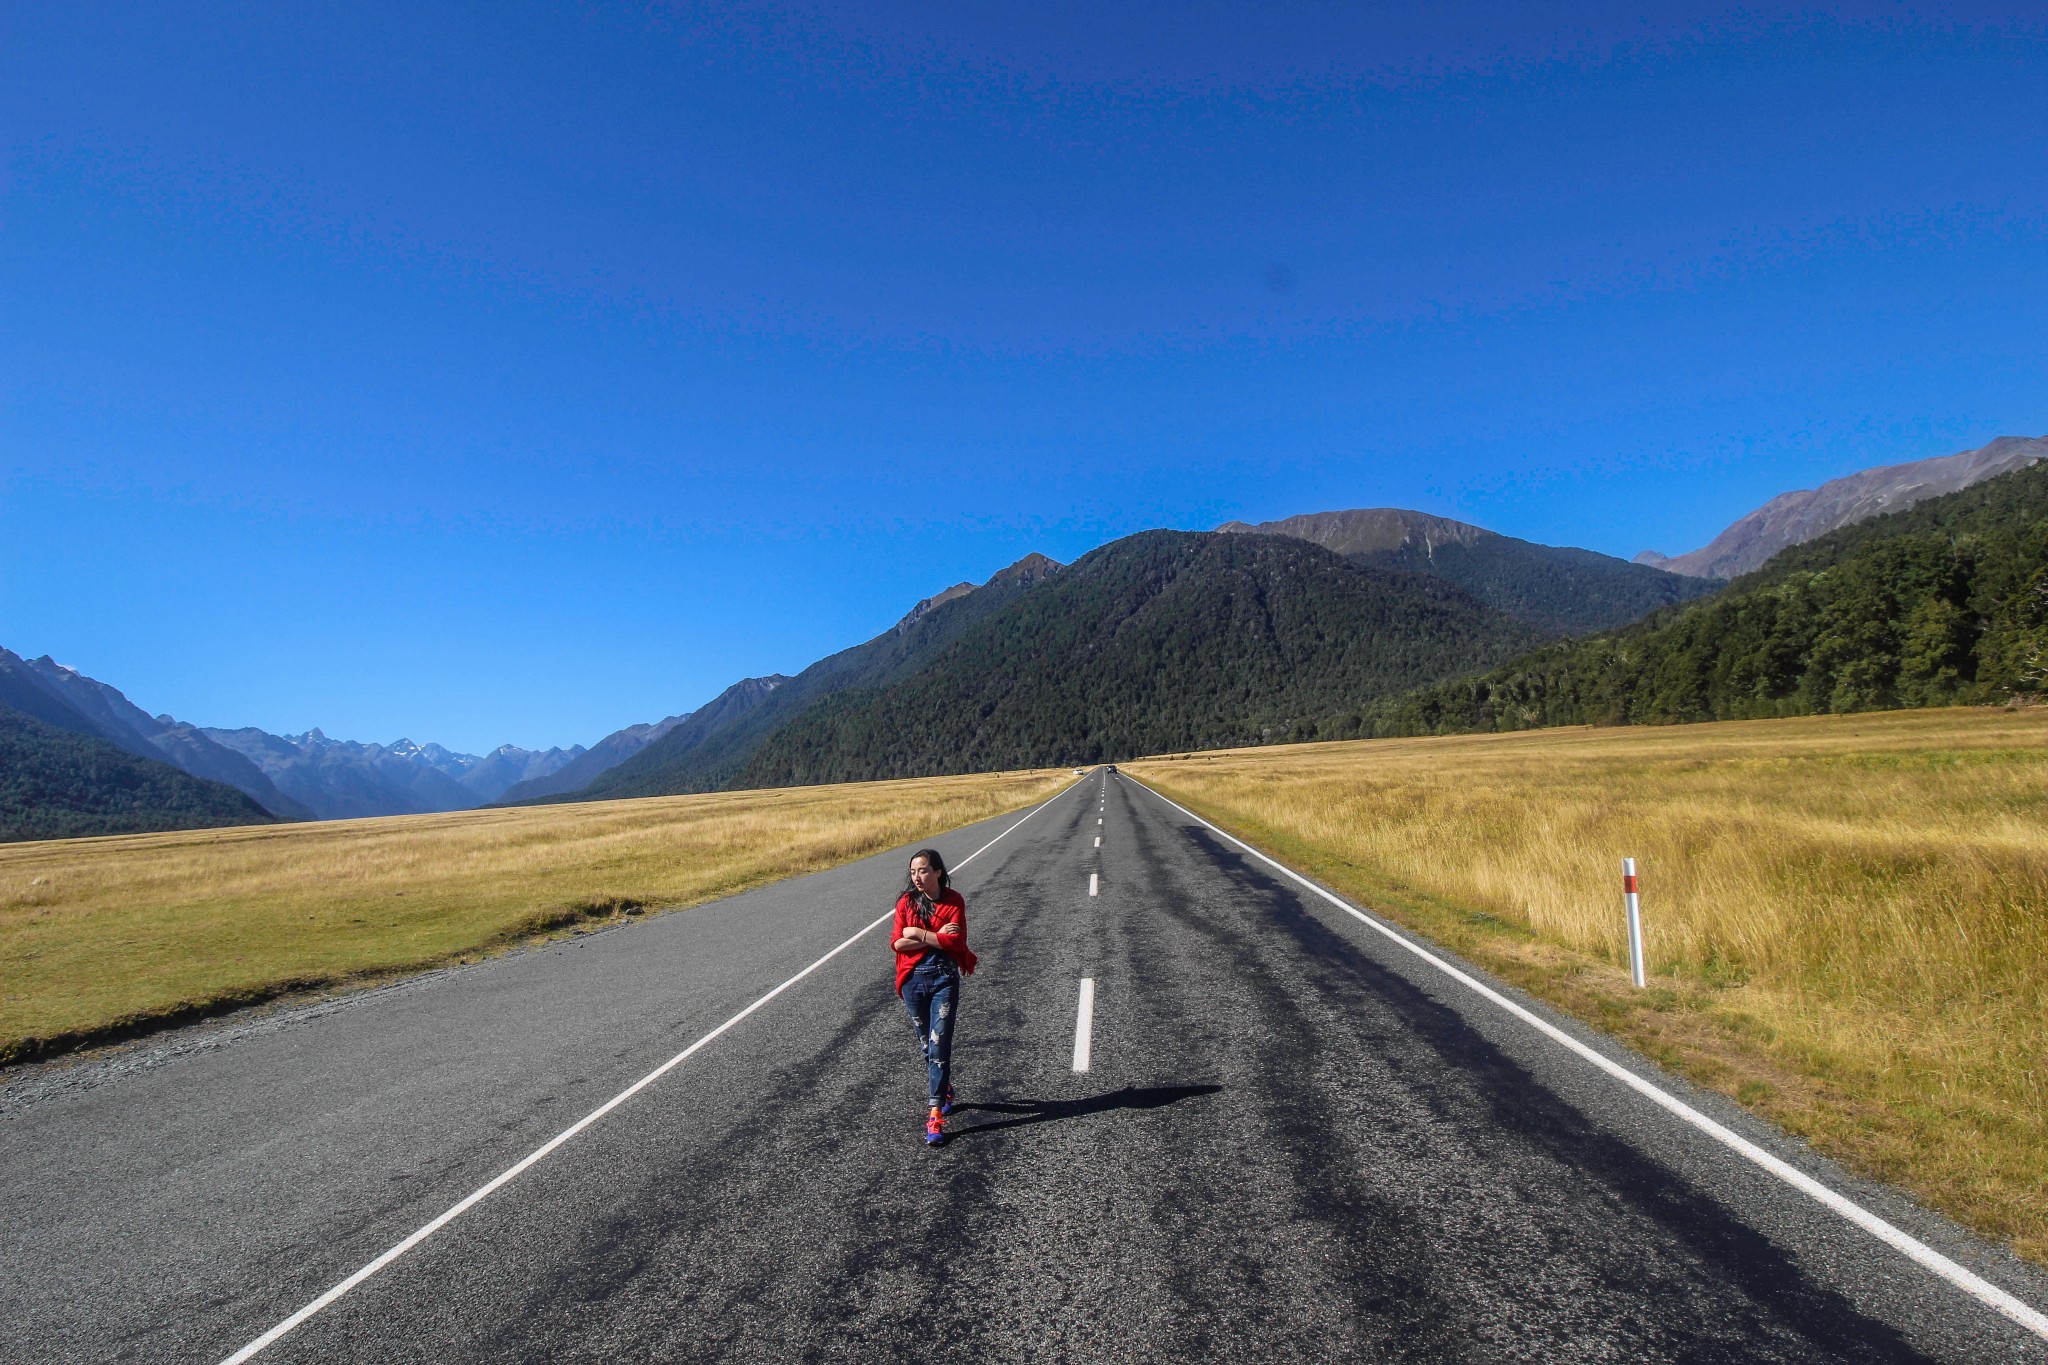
{"points": [[1091, 882], [519, 1168], [1976, 1286], [1084, 1025], [1098, 822], [1098, 841]]}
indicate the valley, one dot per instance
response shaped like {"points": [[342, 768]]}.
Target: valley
{"points": [[1904, 585], [113, 936], [860, 683]]}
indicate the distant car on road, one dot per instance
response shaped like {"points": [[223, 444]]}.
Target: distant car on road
{"points": [[1112, 767]]}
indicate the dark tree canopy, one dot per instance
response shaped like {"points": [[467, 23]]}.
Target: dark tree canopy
{"points": [[1942, 604], [57, 783], [1165, 640]]}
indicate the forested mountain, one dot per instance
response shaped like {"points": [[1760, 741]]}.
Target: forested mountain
{"points": [[1797, 517], [1559, 590], [1164, 640], [712, 749], [57, 782], [48, 691], [1944, 603]]}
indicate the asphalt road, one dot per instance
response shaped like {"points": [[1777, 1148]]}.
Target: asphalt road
{"points": [[1295, 1141]]}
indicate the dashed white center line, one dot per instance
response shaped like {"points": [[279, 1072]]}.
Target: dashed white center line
{"points": [[1091, 882], [1084, 1024], [1098, 841]]}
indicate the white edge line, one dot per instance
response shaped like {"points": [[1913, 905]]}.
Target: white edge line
{"points": [[539, 1153], [1084, 1025], [1971, 1283]]}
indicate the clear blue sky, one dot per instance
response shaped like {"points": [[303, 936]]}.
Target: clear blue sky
{"points": [[512, 373]]}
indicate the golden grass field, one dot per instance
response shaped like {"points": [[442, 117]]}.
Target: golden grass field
{"points": [[97, 935], [1846, 918]]}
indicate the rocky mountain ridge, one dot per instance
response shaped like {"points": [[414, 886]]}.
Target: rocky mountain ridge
{"points": [[1368, 530], [345, 779], [1809, 513], [1557, 589], [1944, 603]]}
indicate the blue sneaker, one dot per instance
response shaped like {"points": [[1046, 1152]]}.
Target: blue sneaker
{"points": [[935, 1127], [947, 1106]]}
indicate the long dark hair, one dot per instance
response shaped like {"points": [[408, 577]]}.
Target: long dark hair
{"points": [[930, 855]]}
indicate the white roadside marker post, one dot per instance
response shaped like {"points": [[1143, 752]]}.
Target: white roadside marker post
{"points": [[1635, 921]]}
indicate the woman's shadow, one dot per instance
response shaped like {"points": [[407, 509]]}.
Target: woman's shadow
{"points": [[1046, 1111]]}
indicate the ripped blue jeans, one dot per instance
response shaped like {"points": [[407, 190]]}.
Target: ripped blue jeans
{"points": [[932, 994]]}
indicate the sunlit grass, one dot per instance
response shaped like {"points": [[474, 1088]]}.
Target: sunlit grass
{"points": [[97, 933], [1846, 917]]}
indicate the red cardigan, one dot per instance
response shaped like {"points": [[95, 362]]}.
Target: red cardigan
{"points": [[947, 909]]}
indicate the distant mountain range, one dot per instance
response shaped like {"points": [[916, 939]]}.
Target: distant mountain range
{"points": [[1322, 624], [289, 777], [343, 779], [1809, 513], [608, 753]]}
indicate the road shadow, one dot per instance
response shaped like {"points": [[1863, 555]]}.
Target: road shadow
{"points": [[1022, 1112]]}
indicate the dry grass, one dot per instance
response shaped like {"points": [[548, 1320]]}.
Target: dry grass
{"points": [[1846, 918], [103, 935]]}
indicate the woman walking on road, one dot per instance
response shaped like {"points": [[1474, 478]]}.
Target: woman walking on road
{"points": [[930, 939]]}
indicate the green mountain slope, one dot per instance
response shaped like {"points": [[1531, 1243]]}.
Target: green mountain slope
{"points": [[1165, 640], [1557, 589], [712, 748], [56, 783], [1941, 604]]}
